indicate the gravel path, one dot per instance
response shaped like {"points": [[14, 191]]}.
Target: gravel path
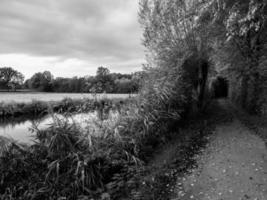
{"points": [[232, 167]]}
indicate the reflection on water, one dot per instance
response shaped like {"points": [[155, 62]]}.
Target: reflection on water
{"points": [[20, 129]]}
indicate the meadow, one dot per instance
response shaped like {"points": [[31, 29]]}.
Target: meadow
{"points": [[25, 97]]}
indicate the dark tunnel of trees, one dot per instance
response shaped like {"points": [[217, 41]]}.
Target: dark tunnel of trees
{"points": [[220, 88]]}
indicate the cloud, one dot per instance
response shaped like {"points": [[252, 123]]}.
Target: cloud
{"points": [[85, 31]]}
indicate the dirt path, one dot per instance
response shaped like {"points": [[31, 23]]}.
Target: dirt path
{"points": [[232, 167]]}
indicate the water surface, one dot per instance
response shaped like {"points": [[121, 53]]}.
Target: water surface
{"points": [[21, 130]]}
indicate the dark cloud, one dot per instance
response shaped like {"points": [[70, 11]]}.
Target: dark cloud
{"points": [[93, 30]]}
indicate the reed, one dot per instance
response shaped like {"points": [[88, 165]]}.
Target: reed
{"points": [[68, 162], [40, 108]]}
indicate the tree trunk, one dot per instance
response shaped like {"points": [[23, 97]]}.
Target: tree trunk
{"points": [[244, 91], [203, 81], [256, 93]]}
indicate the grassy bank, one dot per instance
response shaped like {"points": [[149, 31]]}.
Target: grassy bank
{"points": [[40, 108]]}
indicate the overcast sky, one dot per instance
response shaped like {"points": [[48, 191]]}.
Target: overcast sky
{"points": [[70, 37]]}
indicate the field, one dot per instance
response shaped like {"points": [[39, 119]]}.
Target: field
{"points": [[25, 97]]}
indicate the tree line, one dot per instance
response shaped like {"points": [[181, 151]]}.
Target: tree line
{"points": [[103, 81]]}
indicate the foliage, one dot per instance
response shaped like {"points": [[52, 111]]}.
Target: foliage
{"points": [[41, 81], [238, 33], [246, 28], [75, 85], [231, 35], [176, 56], [10, 78]]}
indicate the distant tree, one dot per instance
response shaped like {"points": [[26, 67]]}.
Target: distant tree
{"points": [[102, 72], [41, 81], [26, 84], [35, 81], [16, 81], [124, 85], [10, 78], [104, 81], [61, 84], [89, 82]]}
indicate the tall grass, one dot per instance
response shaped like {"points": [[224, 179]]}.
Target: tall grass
{"points": [[68, 163]]}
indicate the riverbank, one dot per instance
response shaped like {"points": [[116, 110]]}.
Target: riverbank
{"points": [[41, 108]]}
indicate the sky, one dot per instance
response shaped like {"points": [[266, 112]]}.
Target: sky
{"points": [[70, 37]]}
